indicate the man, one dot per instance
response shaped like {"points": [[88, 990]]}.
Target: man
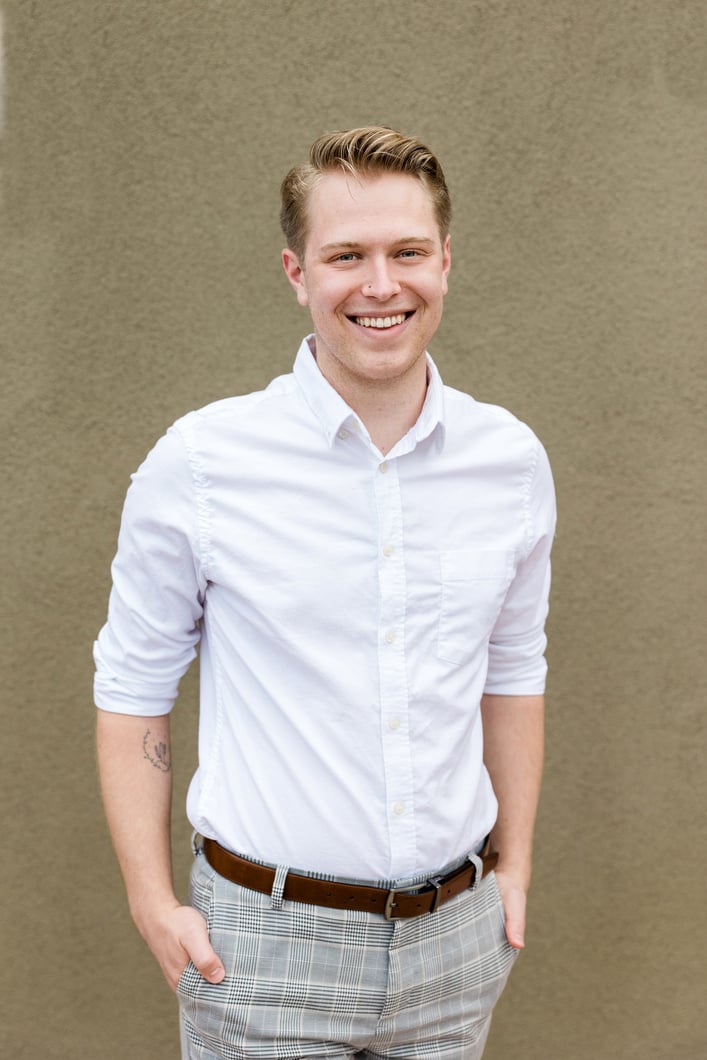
{"points": [[363, 555]]}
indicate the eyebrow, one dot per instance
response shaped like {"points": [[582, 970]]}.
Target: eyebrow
{"points": [[351, 245]]}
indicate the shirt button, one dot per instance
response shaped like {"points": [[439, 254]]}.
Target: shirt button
{"points": [[399, 808], [388, 550], [394, 724], [343, 433], [383, 467], [390, 636]]}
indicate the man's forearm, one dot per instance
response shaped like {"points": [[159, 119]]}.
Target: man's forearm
{"points": [[513, 755], [134, 764]]}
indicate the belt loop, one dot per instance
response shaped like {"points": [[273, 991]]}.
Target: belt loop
{"points": [[479, 866], [278, 887], [196, 844], [475, 857]]}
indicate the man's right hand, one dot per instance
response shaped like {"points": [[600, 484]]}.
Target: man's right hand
{"points": [[178, 937]]}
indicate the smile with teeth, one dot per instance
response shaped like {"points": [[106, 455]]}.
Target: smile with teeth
{"points": [[381, 322]]}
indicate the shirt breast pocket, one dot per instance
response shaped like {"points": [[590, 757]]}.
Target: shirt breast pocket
{"points": [[474, 586]]}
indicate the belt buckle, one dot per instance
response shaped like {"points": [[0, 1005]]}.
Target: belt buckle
{"points": [[390, 902]]}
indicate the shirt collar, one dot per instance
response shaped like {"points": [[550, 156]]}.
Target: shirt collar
{"points": [[333, 413], [327, 405], [432, 418]]}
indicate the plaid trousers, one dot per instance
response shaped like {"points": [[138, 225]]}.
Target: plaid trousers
{"points": [[305, 981]]}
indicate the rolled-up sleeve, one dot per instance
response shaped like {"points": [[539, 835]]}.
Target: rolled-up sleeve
{"points": [[517, 663], [156, 600]]}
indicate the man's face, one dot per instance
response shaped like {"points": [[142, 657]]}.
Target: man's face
{"points": [[374, 276]]}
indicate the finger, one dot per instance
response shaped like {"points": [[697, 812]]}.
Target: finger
{"points": [[203, 955], [514, 901], [515, 933], [210, 967], [514, 908]]}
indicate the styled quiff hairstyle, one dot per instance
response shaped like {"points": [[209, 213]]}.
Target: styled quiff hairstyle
{"points": [[360, 152]]}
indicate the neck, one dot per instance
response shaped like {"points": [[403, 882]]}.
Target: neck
{"points": [[388, 421], [387, 408]]}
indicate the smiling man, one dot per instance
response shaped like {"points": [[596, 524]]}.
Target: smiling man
{"points": [[363, 556], [373, 273]]}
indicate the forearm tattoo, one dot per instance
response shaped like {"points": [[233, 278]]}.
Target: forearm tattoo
{"points": [[157, 753]]}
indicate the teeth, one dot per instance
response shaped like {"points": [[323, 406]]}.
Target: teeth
{"points": [[380, 322]]}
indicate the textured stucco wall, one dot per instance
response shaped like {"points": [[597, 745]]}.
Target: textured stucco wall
{"points": [[141, 155]]}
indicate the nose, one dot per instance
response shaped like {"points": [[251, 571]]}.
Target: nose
{"points": [[380, 282]]}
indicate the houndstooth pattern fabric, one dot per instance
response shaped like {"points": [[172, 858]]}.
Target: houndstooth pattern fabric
{"points": [[304, 981]]}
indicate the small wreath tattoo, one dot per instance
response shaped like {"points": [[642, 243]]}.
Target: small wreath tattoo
{"points": [[158, 754]]}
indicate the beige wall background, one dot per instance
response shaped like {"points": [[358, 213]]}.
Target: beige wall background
{"points": [[141, 154]]}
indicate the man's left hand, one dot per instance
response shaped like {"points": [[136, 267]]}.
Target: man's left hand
{"points": [[514, 902]]}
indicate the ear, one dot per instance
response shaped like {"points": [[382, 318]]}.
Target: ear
{"points": [[446, 260], [295, 274]]}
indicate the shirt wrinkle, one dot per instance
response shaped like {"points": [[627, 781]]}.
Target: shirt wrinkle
{"points": [[201, 493], [527, 482]]}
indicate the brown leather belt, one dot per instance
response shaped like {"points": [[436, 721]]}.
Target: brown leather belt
{"points": [[400, 903]]}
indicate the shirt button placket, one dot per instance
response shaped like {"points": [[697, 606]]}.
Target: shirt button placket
{"points": [[397, 758]]}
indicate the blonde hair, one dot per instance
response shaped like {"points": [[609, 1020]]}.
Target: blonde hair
{"points": [[371, 149]]}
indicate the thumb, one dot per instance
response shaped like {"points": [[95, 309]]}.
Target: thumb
{"points": [[515, 929], [207, 962], [202, 954], [514, 903]]}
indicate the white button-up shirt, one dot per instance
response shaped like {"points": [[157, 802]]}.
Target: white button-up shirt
{"points": [[351, 611]]}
